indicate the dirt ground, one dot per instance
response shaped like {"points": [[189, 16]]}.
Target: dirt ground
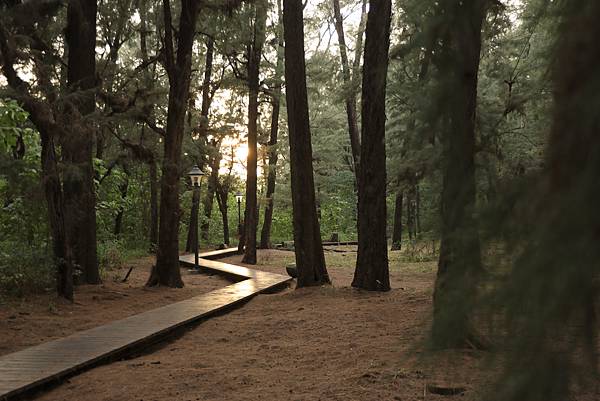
{"points": [[36, 319], [327, 343]]}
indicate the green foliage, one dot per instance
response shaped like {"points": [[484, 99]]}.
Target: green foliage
{"points": [[419, 251], [24, 270], [12, 121], [25, 264], [111, 254]]}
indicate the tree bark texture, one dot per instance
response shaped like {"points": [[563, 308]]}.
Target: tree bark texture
{"points": [[208, 68], [208, 200], [153, 234], [222, 194], [151, 161], [397, 232], [372, 272], [42, 116], [410, 213], [216, 159], [556, 274], [460, 252], [179, 67], [350, 98], [265, 235], [54, 199], [78, 139], [254, 55], [310, 260]]}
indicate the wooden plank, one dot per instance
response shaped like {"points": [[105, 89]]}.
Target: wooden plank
{"points": [[36, 366], [218, 253]]}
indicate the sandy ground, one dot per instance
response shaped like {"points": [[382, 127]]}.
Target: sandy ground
{"points": [[37, 319], [327, 343]]}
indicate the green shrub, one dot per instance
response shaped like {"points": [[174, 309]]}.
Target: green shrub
{"points": [[25, 270], [111, 254]]}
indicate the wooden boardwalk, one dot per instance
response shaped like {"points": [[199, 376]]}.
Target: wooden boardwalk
{"points": [[27, 370]]}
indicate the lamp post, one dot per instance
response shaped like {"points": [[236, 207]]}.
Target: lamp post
{"points": [[238, 197], [196, 176]]}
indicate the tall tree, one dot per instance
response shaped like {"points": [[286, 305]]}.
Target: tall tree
{"points": [[350, 91], [179, 68], [149, 156], [310, 260], [70, 126], [254, 53], [265, 235], [77, 144], [397, 231], [372, 271], [552, 294], [222, 190], [214, 160], [460, 252]]}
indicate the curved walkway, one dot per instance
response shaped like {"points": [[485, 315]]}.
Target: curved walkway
{"points": [[33, 367]]}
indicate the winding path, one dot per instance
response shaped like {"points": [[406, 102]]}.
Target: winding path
{"points": [[30, 369]]}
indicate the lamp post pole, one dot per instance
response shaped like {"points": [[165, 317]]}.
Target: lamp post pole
{"points": [[196, 236], [196, 175]]}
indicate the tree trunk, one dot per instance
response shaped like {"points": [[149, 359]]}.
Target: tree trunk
{"points": [[123, 187], [350, 98], [210, 194], [166, 271], [254, 55], [310, 260], [222, 194], [358, 48], [152, 171], [77, 144], [153, 235], [208, 68], [417, 211], [265, 235], [410, 224], [460, 254], [43, 117], [216, 160], [54, 199], [242, 237], [397, 233], [372, 272], [556, 273]]}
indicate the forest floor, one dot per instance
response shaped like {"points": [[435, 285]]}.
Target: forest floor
{"points": [[326, 343], [35, 319]]}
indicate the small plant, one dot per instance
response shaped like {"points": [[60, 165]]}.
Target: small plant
{"points": [[111, 254], [52, 308], [24, 270], [421, 251]]}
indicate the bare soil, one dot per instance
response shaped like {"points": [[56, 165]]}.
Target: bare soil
{"points": [[36, 319], [326, 343]]}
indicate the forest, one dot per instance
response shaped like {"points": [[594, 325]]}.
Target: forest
{"points": [[425, 170]]}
